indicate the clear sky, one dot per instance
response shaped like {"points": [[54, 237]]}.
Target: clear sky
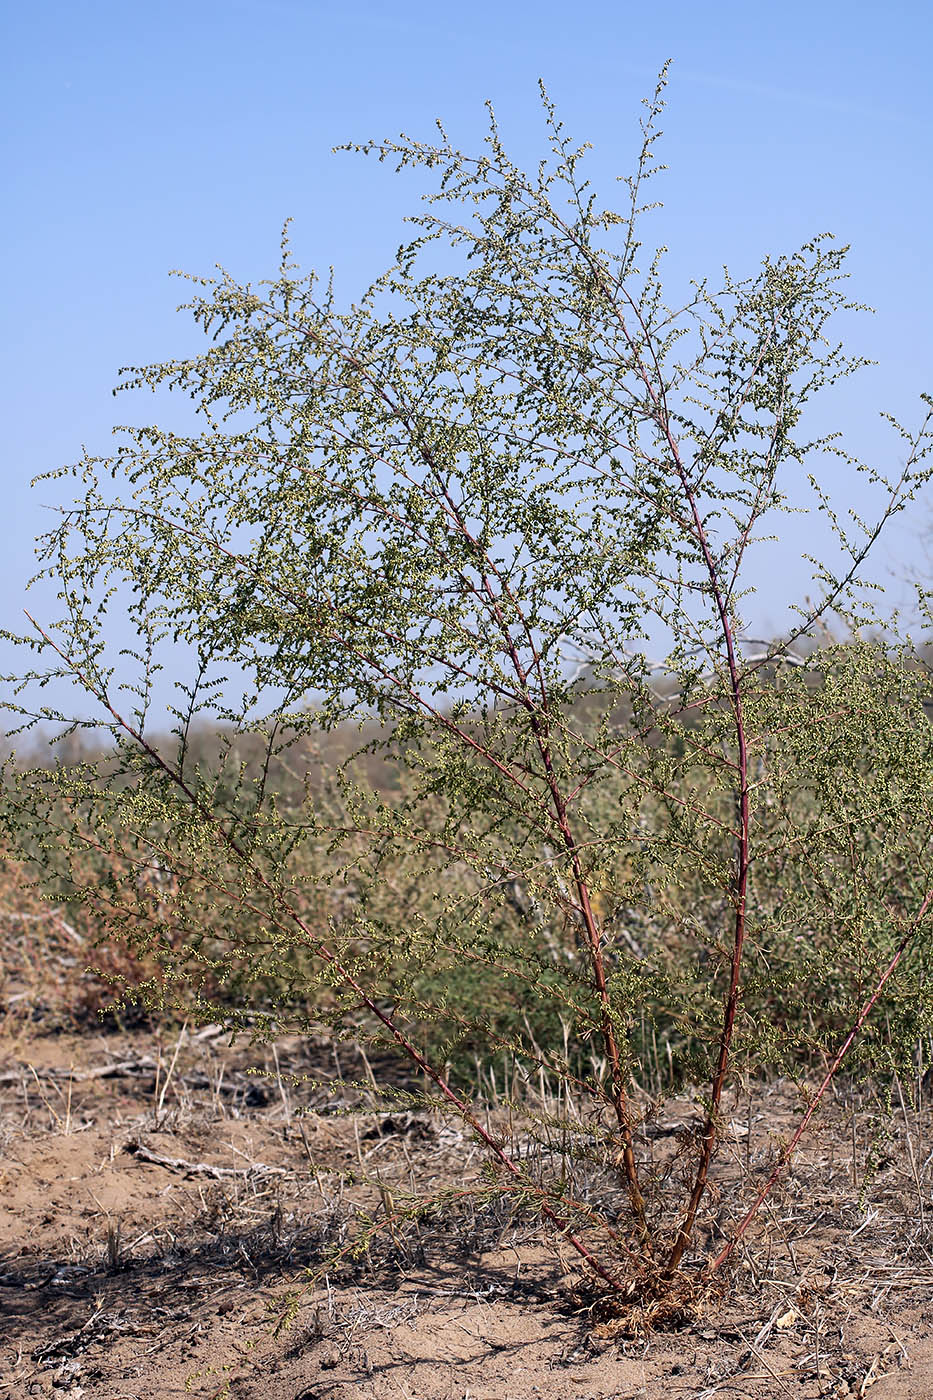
{"points": [[140, 138]]}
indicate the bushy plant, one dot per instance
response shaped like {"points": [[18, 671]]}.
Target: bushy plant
{"points": [[465, 513]]}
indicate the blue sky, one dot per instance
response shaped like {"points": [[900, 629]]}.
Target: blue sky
{"points": [[141, 138]]}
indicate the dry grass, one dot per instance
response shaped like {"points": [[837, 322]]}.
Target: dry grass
{"points": [[46, 951], [165, 1195]]}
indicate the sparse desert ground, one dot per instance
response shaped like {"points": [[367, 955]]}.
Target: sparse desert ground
{"points": [[164, 1193]]}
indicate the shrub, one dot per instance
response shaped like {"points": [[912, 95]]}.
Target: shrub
{"points": [[463, 514]]}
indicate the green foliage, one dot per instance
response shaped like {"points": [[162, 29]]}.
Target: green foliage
{"points": [[461, 514]]}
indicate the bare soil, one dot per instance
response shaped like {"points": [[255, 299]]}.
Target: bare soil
{"points": [[164, 1195]]}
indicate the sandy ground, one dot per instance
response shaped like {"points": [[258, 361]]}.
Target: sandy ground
{"points": [[161, 1202]]}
